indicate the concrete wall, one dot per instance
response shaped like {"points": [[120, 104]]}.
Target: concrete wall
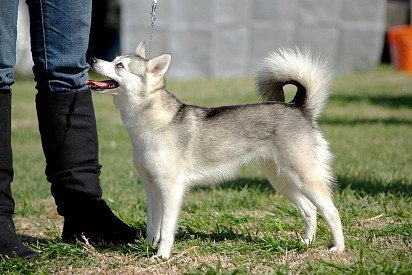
{"points": [[225, 38]]}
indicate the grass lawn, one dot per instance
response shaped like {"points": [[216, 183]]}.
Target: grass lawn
{"points": [[242, 226]]}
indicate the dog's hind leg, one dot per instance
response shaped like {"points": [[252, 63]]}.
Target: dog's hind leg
{"points": [[285, 186], [320, 195], [312, 183]]}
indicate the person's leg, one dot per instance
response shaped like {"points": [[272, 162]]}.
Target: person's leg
{"points": [[9, 242], [59, 36], [8, 36]]}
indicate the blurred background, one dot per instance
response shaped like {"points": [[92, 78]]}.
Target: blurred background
{"points": [[216, 38]]}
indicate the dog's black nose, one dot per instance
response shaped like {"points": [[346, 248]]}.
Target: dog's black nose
{"points": [[93, 60]]}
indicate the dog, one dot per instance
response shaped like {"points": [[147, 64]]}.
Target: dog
{"points": [[177, 146]]}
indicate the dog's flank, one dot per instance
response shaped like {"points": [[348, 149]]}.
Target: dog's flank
{"points": [[176, 146]]}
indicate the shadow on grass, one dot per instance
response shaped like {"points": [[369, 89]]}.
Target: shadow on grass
{"points": [[404, 101], [242, 183], [32, 240], [399, 187], [52, 248], [220, 234], [374, 187], [268, 243], [383, 121]]}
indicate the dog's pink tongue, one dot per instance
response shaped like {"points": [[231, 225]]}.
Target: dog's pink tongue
{"points": [[104, 84]]}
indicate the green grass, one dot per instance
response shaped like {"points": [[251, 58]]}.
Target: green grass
{"points": [[242, 226]]}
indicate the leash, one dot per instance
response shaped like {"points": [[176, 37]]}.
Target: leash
{"points": [[152, 19]]}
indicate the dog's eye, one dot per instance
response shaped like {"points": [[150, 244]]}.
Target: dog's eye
{"points": [[119, 65]]}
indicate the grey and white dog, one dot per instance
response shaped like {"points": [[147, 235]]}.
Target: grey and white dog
{"points": [[176, 146]]}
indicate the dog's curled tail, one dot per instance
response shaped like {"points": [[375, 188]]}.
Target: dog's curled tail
{"points": [[307, 72]]}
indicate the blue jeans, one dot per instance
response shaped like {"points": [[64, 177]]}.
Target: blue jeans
{"points": [[59, 31]]}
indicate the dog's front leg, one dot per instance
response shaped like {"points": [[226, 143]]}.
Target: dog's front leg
{"points": [[156, 215], [154, 208], [172, 197], [150, 210]]}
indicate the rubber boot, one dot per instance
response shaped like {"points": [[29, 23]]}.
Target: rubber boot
{"points": [[67, 127]]}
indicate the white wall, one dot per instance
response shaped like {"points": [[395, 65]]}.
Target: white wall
{"points": [[223, 38]]}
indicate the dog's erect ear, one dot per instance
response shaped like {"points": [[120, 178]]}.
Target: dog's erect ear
{"points": [[141, 49], [158, 66]]}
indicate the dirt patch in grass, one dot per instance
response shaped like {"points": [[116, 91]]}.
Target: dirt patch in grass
{"points": [[393, 242], [191, 260], [47, 225], [38, 228], [295, 260], [376, 222], [112, 263]]}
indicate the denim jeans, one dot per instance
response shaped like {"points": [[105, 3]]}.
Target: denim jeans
{"points": [[59, 31]]}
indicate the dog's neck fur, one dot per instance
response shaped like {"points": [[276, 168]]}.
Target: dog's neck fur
{"points": [[144, 112]]}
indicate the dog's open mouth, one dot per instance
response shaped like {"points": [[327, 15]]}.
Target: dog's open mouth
{"points": [[102, 85]]}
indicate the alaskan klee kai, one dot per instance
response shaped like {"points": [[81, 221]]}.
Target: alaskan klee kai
{"points": [[176, 146]]}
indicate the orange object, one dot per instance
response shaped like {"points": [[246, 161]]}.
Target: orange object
{"points": [[400, 47]]}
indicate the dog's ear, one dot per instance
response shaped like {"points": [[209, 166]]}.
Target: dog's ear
{"points": [[158, 66], [141, 49]]}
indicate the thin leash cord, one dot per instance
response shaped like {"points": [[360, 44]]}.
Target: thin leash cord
{"points": [[153, 18]]}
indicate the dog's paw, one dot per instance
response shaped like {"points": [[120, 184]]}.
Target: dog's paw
{"points": [[164, 252], [337, 249], [306, 241], [157, 258]]}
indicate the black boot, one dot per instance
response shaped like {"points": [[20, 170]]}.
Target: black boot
{"points": [[95, 221], [10, 245], [67, 127]]}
